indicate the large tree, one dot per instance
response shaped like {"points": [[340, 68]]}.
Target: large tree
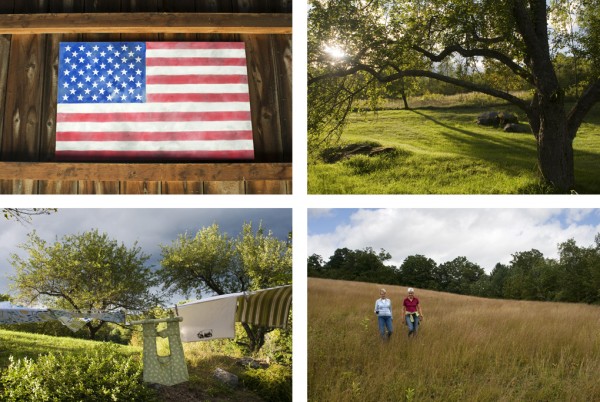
{"points": [[87, 271], [213, 262], [389, 40]]}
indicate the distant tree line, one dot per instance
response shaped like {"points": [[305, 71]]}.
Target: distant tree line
{"points": [[573, 277]]}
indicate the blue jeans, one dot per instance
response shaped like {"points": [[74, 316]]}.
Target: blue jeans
{"points": [[412, 326], [385, 321]]}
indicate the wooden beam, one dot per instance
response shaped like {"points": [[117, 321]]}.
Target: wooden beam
{"points": [[145, 171], [242, 23]]}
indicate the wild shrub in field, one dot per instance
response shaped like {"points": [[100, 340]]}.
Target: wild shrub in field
{"points": [[99, 374], [272, 384]]}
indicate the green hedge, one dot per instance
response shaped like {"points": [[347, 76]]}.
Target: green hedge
{"points": [[99, 374]]}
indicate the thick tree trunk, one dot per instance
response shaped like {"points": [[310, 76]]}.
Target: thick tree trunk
{"points": [[405, 100], [554, 144]]}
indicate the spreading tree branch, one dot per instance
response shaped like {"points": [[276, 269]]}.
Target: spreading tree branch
{"points": [[584, 104]]}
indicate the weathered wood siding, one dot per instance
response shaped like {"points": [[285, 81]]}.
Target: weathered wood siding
{"points": [[28, 84]]}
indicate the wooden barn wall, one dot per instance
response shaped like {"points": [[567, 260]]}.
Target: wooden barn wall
{"points": [[28, 77]]}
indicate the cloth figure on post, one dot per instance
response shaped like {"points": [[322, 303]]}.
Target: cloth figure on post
{"points": [[164, 370], [207, 319]]}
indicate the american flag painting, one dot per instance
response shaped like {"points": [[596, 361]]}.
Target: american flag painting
{"points": [[138, 101]]}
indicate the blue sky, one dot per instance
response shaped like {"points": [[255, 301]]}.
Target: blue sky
{"points": [[149, 227], [484, 236]]}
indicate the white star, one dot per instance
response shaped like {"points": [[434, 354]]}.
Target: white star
{"points": [[109, 97], [72, 91], [110, 59], [138, 48], [117, 78], [138, 97], [124, 60], [116, 66], [95, 84], [88, 66], [68, 60], [66, 85], [74, 54], [138, 84], [81, 60], [66, 72], [95, 48], [123, 72], [110, 48], [130, 90], [123, 97], [73, 66], [110, 72], [79, 85], [102, 78], [138, 71], [138, 59], [103, 66], [87, 91], [82, 48], [68, 48], [131, 66], [88, 54], [65, 97], [95, 60], [116, 91], [109, 84], [73, 79], [124, 47], [80, 72], [94, 97], [95, 72], [102, 54], [80, 97], [101, 91], [130, 54], [117, 54], [88, 78], [123, 85], [131, 78]]}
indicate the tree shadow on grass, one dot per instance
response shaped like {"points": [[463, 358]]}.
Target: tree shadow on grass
{"points": [[515, 156]]}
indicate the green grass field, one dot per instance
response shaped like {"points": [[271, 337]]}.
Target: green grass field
{"points": [[202, 359], [468, 348], [442, 151]]}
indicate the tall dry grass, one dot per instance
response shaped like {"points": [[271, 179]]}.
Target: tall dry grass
{"points": [[468, 348]]}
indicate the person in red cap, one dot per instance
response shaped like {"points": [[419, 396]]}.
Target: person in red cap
{"points": [[412, 312]]}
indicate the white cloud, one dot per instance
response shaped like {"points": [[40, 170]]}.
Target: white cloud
{"points": [[484, 236]]}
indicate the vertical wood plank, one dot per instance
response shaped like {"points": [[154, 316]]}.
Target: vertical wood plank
{"points": [[4, 57], [31, 6], [23, 108], [98, 187], [223, 187], [281, 47], [214, 6], [266, 187], [66, 6], [7, 6], [253, 6], [263, 99], [179, 6]]}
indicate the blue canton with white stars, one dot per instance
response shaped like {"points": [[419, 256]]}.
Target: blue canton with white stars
{"points": [[102, 72]]}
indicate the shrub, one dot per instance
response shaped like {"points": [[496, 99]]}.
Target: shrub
{"points": [[99, 374], [271, 384]]}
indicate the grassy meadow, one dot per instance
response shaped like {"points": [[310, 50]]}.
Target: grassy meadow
{"points": [[468, 348], [202, 359], [441, 150]]}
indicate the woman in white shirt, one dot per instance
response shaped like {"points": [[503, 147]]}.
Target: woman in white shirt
{"points": [[383, 309]]}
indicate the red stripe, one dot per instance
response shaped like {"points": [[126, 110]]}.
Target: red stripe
{"points": [[151, 116], [198, 97], [197, 79], [195, 45], [195, 61], [149, 136], [150, 155]]}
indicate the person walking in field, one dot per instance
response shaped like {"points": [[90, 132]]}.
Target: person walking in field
{"points": [[411, 309], [383, 309]]}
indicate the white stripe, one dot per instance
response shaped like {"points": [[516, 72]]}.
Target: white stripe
{"points": [[154, 127], [198, 70], [233, 145], [211, 53], [154, 107], [197, 88]]}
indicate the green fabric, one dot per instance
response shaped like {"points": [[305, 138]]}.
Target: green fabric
{"points": [[164, 370], [412, 319], [267, 308]]}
